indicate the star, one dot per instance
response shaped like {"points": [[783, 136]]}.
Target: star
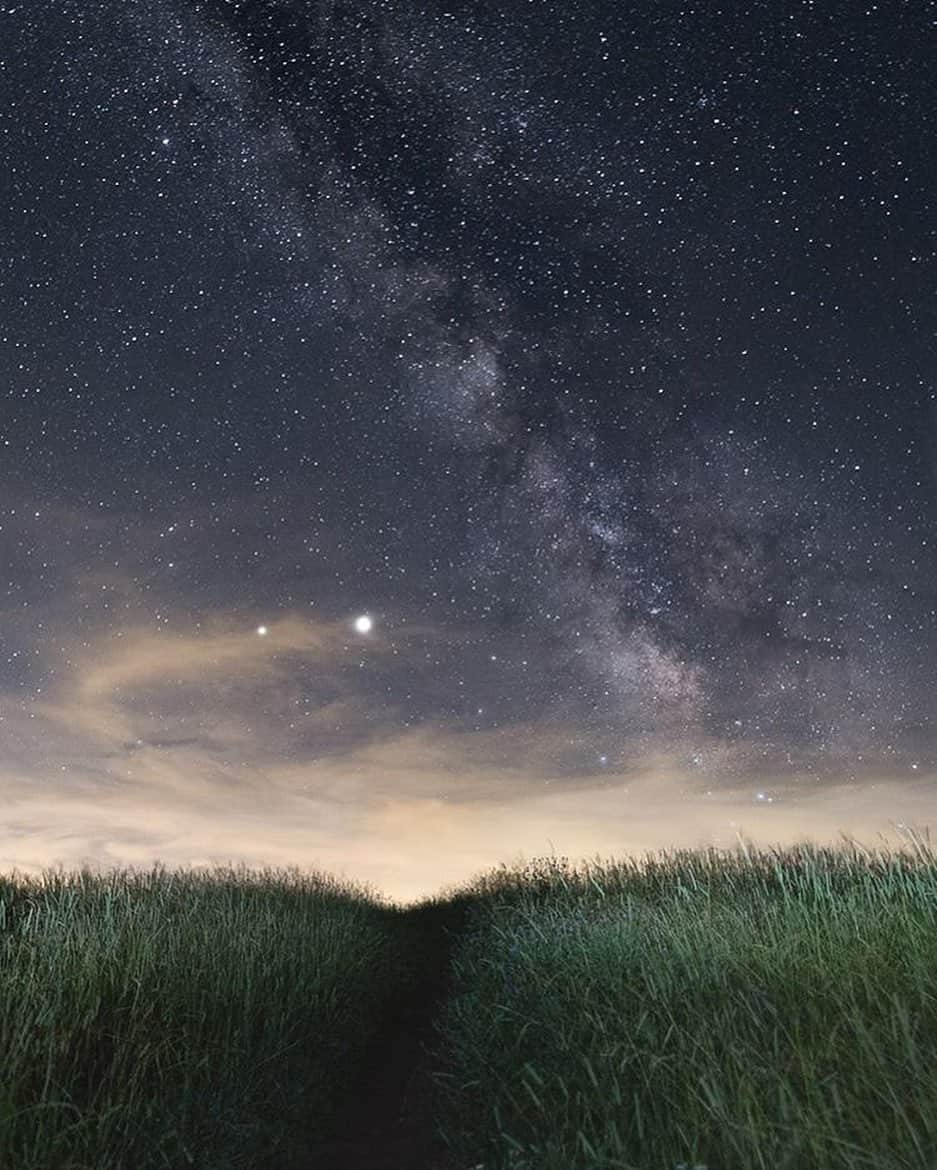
{"points": [[364, 624], [262, 631]]}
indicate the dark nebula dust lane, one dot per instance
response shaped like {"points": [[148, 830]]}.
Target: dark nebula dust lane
{"points": [[588, 353]]}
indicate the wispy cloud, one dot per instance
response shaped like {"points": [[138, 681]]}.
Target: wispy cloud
{"points": [[185, 747]]}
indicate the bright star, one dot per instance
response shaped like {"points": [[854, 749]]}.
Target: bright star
{"points": [[363, 624], [262, 630]]}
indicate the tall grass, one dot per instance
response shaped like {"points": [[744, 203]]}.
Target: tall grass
{"points": [[738, 1011], [735, 1011], [167, 1019]]}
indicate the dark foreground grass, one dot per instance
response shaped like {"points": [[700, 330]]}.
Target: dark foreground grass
{"points": [[179, 1019], [744, 1011], [748, 1011]]}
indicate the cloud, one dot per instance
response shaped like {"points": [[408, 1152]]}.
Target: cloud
{"points": [[194, 740], [120, 773]]}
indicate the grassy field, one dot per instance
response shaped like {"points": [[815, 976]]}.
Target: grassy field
{"points": [[739, 1011], [174, 1019], [734, 1011]]}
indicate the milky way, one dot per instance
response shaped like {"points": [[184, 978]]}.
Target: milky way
{"points": [[586, 349]]}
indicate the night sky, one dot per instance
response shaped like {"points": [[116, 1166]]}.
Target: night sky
{"points": [[585, 350]]}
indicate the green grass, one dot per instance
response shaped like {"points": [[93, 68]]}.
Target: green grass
{"points": [[734, 1011], [748, 1011], [175, 1019]]}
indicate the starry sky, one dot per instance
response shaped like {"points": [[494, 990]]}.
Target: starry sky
{"points": [[586, 350]]}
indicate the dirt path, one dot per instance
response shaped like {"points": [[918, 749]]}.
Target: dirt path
{"points": [[389, 1125]]}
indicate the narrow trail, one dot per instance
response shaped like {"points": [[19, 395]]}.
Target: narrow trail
{"points": [[388, 1125]]}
